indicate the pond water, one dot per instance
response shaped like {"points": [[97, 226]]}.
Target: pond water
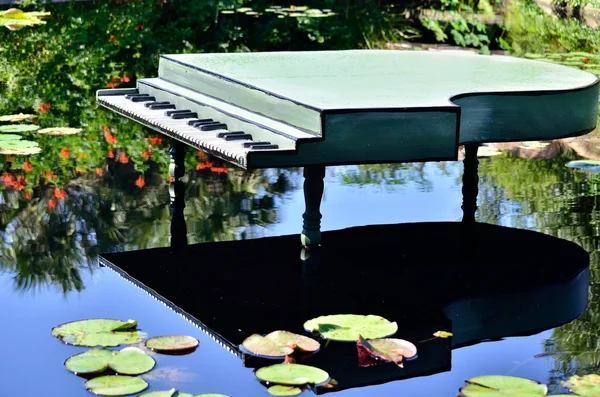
{"points": [[106, 191]]}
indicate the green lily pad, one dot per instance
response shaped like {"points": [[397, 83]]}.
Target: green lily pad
{"points": [[116, 385], [292, 374], [90, 362], [279, 344], [131, 361], [587, 385], [590, 165], [166, 393], [499, 386], [9, 137], [15, 118], [19, 128], [348, 327], [172, 343], [98, 332], [19, 147], [280, 390], [60, 131]]}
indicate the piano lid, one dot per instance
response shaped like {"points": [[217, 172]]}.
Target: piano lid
{"points": [[304, 88]]}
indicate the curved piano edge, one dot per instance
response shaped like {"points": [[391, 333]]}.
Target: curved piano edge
{"points": [[476, 320]]}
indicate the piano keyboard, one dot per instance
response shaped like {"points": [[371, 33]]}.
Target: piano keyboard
{"points": [[212, 136]]}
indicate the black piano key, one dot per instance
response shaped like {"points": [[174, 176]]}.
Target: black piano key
{"points": [[212, 127], [224, 134], [252, 144], [188, 115], [143, 99], [156, 103], [259, 147], [130, 96], [192, 122], [162, 107], [237, 137], [172, 112]]}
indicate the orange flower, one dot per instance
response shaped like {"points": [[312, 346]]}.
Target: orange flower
{"points": [[203, 156], [78, 171], [82, 155], [157, 140], [20, 182], [219, 170], [26, 166], [64, 153], [111, 154], [110, 85], [113, 39], [8, 178], [110, 138], [125, 79], [207, 164], [99, 171], [585, 59], [59, 193], [123, 158], [49, 175], [51, 204], [147, 153], [140, 182], [44, 107], [26, 195]]}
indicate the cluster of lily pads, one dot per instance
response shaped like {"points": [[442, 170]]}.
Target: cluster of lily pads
{"points": [[117, 370], [501, 386], [282, 12], [370, 332], [13, 144]]}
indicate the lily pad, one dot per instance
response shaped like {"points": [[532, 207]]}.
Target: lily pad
{"points": [[19, 128], [587, 385], [116, 385], [15, 118], [292, 374], [172, 343], [98, 332], [348, 327], [590, 165], [499, 386], [60, 131], [9, 137], [387, 349], [280, 390], [166, 393], [131, 361], [90, 362], [279, 344], [19, 147]]}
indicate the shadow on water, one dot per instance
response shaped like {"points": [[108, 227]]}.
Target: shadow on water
{"points": [[425, 276]]}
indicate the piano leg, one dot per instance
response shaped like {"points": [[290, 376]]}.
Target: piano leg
{"points": [[177, 196], [470, 180], [313, 192]]}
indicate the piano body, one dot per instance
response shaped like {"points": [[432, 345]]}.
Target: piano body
{"points": [[313, 109]]}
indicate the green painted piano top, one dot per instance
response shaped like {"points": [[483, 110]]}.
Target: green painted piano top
{"points": [[367, 79], [311, 90]]}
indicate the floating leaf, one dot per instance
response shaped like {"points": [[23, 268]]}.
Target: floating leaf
{"points": [[388, 349], [19, 128], [590, 165], [587, 385], [292, 374], [172, 343], [499, 386], [280, 390], [116, 385], [131, 361], [15, 118], [442, 334], [348, 327], [166, 393], [279, 344], [60, 131], [90, 362], [19, 147], [9, 137], [98, 332]]}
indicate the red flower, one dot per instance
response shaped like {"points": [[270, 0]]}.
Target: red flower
{"points": [[64, 153], [157, 140], [207, 164], [140, 182], [139, 26], [59, 193], [219, 170], [110, 85], [26, 166], [49, 175], [203, 156], [20, 182], [123, 158], [7, 179], [146, 154], [125, 79], [110, 138], [26, 195], [99, 171], [44, 107], [51, 204], [111, 154], [78, 171], [113, 39]]}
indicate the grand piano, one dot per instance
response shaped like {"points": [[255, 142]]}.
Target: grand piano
{"points": [[314, 109]]}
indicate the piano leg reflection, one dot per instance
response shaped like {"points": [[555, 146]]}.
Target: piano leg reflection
{"points": [[177, 195]]}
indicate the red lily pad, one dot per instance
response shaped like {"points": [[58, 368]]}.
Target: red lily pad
{"points": [[386, 349]]}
